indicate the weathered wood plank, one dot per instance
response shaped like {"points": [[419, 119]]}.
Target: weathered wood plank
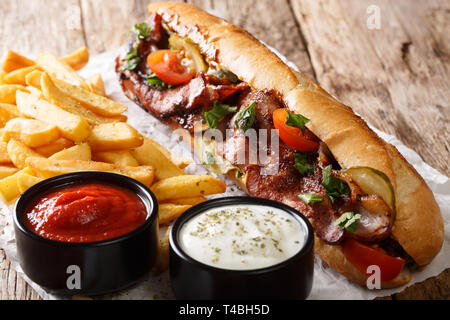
{"points": [[269, 21], [396, 77], [32, 27], [107, 22]]}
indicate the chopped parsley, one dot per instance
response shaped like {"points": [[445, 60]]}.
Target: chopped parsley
{"points": [[218, 111], [209, 158], [157, 83], [245, 118], [310, 198], [301, 163], [348, 221], [296, 120], [140, 31], [334, 187]]}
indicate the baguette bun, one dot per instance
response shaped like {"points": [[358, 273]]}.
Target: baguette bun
{"points": [[418, 227]]}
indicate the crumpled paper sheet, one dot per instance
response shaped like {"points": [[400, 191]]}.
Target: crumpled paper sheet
{"points": [[328, 284]]}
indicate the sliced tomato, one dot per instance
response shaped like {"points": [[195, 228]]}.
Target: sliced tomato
{"points": [[166, 64], [293, 136], [362, 256]]}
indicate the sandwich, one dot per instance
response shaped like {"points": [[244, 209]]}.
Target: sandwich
{"points": [[226, 92]]}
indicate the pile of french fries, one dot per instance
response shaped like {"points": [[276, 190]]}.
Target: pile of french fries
{"points": [[53, 122]]}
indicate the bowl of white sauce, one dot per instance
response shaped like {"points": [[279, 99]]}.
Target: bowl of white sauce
{"points": [[241, 248]]}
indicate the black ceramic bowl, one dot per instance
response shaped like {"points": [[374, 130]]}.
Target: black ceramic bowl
{"points": [[101, 267], [290, 279]]}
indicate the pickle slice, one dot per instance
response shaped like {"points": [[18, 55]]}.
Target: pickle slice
{"points": [[190, 49], [372, 181]]}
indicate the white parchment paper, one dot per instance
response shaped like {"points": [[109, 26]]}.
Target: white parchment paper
{"points": [[328, 284]]}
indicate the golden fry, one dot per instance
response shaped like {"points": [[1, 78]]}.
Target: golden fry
{"points": [[8, 92], [60, 70], [150, 153], [71, 126], [19, 153], [187, 186], [9, 190], [57, 97], [96, 84], [120, 157], [114, 136], [34, 133], [19, 76], [25, 181], [77, 59], [50, 167], [55, 146], [13, 61], [169, 211], [8, 112], [6, 171], [77, 152], [98, 104]]}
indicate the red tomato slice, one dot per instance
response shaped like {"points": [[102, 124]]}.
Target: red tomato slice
{"points": [[166, 64], [293, 136], [361, 256]]}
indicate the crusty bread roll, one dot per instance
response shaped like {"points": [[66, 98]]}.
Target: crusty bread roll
{"points": [[418, 227]]}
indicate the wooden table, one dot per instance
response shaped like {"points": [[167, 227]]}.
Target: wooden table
{"points": [[389, 60]]}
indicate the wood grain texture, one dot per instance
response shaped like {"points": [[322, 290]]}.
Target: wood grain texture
{"points": [[396, 77], [31, 27]]}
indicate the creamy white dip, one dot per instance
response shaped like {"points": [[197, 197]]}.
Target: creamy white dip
{"points": [[242, 237]]}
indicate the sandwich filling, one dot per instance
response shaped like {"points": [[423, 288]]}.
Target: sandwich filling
{"points": [[168, 76]]}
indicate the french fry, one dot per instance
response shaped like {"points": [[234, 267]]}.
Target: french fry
{"points": [[26, 181], [8, 112], [18, 76], [168, 211], [57, 97], [6, 171], [187, 186], [60, 70], [8, 92], [19, 153], [50, 167], [114, 136], [191, 201], [98, 104], [77, 152], [77, 59], [9, 190], [72, 127], [13, 61], [96, 84], [150, 153], [162, 256], [33, 79], [4, 157], [34, 133], [2, 75], [120, 157], [54, 147]]}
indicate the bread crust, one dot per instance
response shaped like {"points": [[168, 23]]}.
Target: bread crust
{"points": [[418, 227]]}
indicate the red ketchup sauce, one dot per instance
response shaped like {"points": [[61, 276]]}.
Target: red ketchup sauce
{"points": [[85, 213]]}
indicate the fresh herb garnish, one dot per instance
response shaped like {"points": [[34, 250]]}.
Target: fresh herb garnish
{"points": [[209, 158], [334, 187], [238, 174], [218, 111], [140, 31], [296, 120], [310, 198], [348, 221], [157, 83], [301, 163], [245, 118]]}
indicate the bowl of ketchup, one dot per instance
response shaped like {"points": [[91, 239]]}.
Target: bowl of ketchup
{"points": [[86, 232]]}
